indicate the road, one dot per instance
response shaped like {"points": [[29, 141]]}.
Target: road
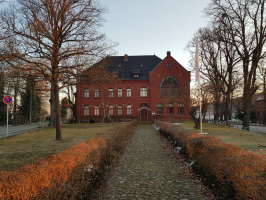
{"points": [[15, 130], [256, 129]]}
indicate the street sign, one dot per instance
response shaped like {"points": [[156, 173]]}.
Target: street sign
{"points": [[7, 99]]}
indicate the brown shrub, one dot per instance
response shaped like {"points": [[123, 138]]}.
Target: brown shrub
{"points": [[27, 181], [230, 164], [66, 174]]}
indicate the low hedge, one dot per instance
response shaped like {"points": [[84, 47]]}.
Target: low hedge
{"points": [[69, 174], [234, 167]]}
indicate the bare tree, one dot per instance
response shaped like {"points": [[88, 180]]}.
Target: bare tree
{"points": [[244, 22], [218, 67], [101, 78], [44, 33], [192, 101]]}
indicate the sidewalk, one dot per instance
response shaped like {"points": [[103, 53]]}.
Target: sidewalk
{"points": [[15, 130], [256, 129], [145, 171]]}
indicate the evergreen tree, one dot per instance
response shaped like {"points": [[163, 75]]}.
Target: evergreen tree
{"points": [[64, 105], [28, 94], [2, 94]]}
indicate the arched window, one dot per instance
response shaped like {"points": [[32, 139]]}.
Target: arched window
{"points": [[170, 87]]}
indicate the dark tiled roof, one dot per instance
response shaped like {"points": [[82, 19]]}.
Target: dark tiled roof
{"points": [[135, 71], [135, 64]]}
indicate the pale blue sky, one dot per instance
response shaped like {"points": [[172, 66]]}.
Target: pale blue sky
{"points": [[145, 27], [148, 27]]}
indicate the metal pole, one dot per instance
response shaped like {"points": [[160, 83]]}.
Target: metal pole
{"points": [[7, 120], [79, 103], [30, 104], [200, 111]]}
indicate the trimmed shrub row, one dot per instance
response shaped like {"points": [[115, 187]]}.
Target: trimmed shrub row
{"points": [[232, 166], [68, 174]]}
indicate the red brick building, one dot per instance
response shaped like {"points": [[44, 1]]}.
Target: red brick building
{"points": [[148, 88]]}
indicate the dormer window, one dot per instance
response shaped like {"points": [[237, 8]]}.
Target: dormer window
{"points": [[136, 73], [115, 73], [169, 64]]}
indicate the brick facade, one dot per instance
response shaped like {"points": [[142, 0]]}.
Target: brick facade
{"points": [[148, 99]]}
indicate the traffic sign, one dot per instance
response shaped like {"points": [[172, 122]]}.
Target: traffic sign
{"points": [[7, 99]]}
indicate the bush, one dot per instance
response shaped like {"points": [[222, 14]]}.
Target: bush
{"points": [[67, 174], [231, 165], [91, 121]]}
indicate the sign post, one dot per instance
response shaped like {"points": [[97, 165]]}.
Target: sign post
{"points": [[7, 100]]}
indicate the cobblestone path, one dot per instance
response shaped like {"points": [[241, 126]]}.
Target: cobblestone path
{"points": [[145, 171]]}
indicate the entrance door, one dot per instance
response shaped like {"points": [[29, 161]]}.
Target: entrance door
{"points": [[144, 115]]}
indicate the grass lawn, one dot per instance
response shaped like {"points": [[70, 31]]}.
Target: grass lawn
{"points": [[247, 140], [29, 147]]}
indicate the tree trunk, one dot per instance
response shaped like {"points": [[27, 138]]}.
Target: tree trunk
{"points": [[226, 106], [217, 106], [247, 111], [52, 107], [57, 111]]}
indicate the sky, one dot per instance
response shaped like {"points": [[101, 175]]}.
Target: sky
{"points": [[148, 27]]}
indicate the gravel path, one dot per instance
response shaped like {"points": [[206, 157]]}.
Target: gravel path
{"points": [[145, 171]]}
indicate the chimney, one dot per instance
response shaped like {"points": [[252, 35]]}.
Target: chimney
{"points": [[126, 59], [168, 53]]}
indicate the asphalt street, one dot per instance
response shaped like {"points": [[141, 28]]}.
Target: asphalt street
{"points": [[15, 130]]}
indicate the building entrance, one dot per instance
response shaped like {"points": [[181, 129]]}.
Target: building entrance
{"points": [[144, 112]]}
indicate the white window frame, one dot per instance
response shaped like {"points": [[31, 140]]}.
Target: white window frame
{"points": [[86, 93], [96, 110], [119, 110], [119, 93], [128, 92], [143, 92], [96, 93], [129, 110], [111, 92], [111, 110], [86, 110]]}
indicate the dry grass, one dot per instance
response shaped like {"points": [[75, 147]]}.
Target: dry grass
{"points": [[35, 145], [247, 140]]}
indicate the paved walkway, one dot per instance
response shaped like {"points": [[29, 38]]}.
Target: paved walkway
{"points": [[15, 130], [145, 171]]}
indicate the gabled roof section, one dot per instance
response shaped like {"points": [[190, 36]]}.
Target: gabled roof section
{"points": [[141, 64], [135, 71]]}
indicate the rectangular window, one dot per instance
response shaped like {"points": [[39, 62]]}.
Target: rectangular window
{"points": [[170, 109], [111, 110], [129, 110], [96, 110], [169, 64], [86, 110], [181, 108], [86, 93], [143, 92], [119, 110], [111, 92], [96, 93], [129, 92], [119, 93], [160, 109]]}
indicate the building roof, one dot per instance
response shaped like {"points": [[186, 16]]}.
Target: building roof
{"points": [[141, 65]]}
